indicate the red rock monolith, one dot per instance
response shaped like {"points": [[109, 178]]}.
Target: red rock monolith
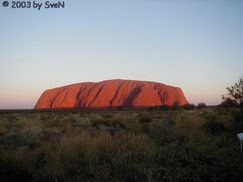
{"points": [[111, 93]]}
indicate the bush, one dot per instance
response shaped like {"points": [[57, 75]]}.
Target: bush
{"points": [[241, 106], [164, 108], [145, 119], [238, 117], [118, 124], [97, 123], [213, 127], [13, 168], [228, 103], [189, 107], [176, 106], [201, 105], [18, 137]]}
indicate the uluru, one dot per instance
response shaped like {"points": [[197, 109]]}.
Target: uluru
{"points": [[111, 93]]}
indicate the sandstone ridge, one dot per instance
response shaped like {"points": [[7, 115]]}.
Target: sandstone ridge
{"points": [[111, 93]]}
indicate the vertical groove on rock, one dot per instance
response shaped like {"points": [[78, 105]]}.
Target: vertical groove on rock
{"points": [[85, 102], [161, 93], [165, 97], [132, 96], [55, 97], [116, 94], [78, 100], [96, 95], [66, 94]]}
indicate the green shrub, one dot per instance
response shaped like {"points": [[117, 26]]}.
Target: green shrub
{"points": [[213, 127], [238, 117], [201, 105], [188, 107], [210, 116], [107, 115], [28, 137], [228, 103], [145, 119], [118, 124], [13, 168], [164, 107], [241, 107], [51, 135], [176, 106], [98, 123]]}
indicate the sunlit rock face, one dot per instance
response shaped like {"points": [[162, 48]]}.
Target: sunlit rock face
{"points": [[111, 93]]}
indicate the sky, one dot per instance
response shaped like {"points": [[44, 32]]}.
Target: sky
{"points": [[193, 44]]}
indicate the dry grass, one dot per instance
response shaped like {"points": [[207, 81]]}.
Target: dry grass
{"points": [[117, 146]]}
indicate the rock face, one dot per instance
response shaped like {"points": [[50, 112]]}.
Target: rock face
{"points": [[111, 93]]}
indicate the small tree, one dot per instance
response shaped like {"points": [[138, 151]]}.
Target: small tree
{"points": [[189, 106], [235, 93], [228, 103], [201, 105]]}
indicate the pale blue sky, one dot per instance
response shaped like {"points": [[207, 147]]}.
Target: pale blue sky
{"points": [[194, 44]]}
